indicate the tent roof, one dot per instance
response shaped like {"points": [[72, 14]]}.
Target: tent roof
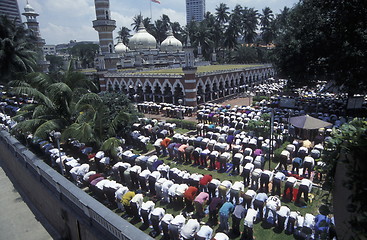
{"points": [[308, 122]]}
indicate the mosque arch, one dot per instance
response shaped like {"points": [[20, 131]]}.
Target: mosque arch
{"points": [[137, 83], [178, 93], [167, 92], [157, 96], [109, 86], [148, 91], [175, 86], [116, 86], [123, 86]]}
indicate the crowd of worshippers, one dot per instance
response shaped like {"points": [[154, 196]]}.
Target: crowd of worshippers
{"points": [[148, 131], [165, 109], [124, 184], [267, 89], [135, 176]]}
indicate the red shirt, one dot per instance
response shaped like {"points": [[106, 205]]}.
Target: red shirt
{"points": [[165, 142], [190, 193], [205, 179]]}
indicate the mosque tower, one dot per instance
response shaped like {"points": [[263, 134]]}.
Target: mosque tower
{"points": [[189, 75], [104, 25], [33, 25]]}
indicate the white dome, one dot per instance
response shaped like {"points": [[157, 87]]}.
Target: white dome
{"points": [[171, 44], [120, 47], [142, 40]]}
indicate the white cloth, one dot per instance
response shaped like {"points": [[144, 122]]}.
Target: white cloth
{"points": [[250, 217]]}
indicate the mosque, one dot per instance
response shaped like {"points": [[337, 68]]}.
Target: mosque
{"points": [[169, 72]]}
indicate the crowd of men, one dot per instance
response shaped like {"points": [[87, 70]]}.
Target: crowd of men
{"points": [[223, 144]]}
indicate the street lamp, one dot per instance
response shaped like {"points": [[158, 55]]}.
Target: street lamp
{"points": [[57, 136]]}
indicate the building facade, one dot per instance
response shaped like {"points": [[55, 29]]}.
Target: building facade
{"points": [[195, 10], [191, 86], [10, 9]]}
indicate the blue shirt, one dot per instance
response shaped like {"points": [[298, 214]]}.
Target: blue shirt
{"points": [[261, 197], [227, 208]]}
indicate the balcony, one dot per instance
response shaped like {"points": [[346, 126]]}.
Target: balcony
{"points": [[98, 23]]}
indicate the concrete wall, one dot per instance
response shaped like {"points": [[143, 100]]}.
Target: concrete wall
{"points": [[69, 210]]}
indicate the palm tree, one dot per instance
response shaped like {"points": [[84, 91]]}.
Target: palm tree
{"points": [[137, 20], [230, 36], [160, 30], [266, 19], [250, 21], [237, 18], [203, 37], [177, 31], [222, 13], [281, 21], [148, 25], [17, 53], [124, 34], [55, 96]]}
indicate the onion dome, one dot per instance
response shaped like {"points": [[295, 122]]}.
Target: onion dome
{"points": [[142, 40], [120, 47], [171, 44]]}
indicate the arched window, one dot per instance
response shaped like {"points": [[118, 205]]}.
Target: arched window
{"points": [[107, 15], [110, 48]]}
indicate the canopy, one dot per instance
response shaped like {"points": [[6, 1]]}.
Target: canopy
{"points": [[308, 122]]}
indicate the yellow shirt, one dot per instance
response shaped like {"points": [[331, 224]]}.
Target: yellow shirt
{"points": [[125, 200]]}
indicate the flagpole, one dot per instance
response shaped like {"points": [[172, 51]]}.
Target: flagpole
{"points": [[150, 10]]}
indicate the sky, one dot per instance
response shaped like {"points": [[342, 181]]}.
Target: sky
{"points": [[64, 20]]}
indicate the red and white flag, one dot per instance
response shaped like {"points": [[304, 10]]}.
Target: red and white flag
{"points": [[156, 1]]}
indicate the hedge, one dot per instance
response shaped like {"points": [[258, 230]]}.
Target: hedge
{"points": [[183, 123]]}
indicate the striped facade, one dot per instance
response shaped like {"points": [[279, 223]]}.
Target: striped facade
{"points": [[192, 87]]}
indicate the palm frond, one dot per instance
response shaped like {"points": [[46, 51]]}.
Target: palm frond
{"points": [[82, 132], [89, 98], [42, 111], [122, 120], [45, 128], [28, 125], [110, 146], [39, 96], [59, 92]]}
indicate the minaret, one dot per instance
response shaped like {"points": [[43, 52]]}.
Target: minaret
{"points": [[33, 25], [104, 25], [190, 75]]}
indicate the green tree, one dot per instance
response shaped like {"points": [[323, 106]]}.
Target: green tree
{"points": [[124, 34], [85, 53], [325, 40], [137, 20], [245, 54], [250, 21], [17, 53], [222, 13], [266, 22], [56, 63]]}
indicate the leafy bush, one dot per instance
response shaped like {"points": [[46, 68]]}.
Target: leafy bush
{"points": [[183, 123], [260, 98], [278, 151]]}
